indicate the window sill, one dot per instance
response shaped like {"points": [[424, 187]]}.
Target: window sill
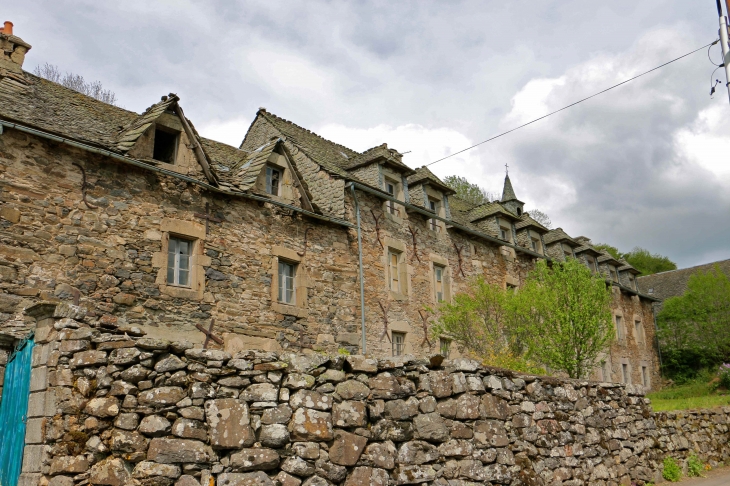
{"points": [[181, 292], [397, 296], [289, 310], [392, 217]]}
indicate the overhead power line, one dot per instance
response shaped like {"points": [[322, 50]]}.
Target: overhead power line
{"points": [[573, 104]]}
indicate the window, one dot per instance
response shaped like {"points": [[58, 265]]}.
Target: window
{"points": [[632, 281], [512, 287], [639, 333], [393, 271], [567, 251], [399, 343], [438, 277], [391, 188], [651, 291], [591, 262], [273, 181], [286, 282], [165, 145], [433, 224], [625, 375], [444, 347], [535, 242], [505, 233], [645, 376], [519, 212], [606, 371], [614, 273], [178, 261], [619, 329]]}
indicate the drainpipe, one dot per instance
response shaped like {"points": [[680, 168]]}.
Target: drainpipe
{"points": [[360, 269]]}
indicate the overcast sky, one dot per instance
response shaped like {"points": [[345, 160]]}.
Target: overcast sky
{"points": [[644, 164]]}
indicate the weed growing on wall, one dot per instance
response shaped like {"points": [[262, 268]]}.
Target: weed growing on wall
{"points": [[671, 472], [694, 466]]}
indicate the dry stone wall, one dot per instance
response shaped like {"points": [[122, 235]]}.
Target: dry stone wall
{"points": [[118, 408]]}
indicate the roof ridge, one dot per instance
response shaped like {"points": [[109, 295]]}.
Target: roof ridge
{"points": [[686, 268], [264, 112], [82, 94]]}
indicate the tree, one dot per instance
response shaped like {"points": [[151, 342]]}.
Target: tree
{"points": [[478, 320], [612, 250], [541, 218], [76, 82], [564, 311], [560, 317], [694, 328], [649, 263], [467, 191]]}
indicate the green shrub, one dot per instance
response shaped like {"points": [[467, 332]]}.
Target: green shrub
{"points": [[694, 466], [724, 375], [671, 472]]}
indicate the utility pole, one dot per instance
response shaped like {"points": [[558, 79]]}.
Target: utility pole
{"points": [[724, 44]]}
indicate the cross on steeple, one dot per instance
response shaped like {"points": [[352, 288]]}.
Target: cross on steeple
{"points": [[506, 168]]}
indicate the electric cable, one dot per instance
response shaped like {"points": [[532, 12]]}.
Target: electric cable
{"points": [[708, 55], [572, 104]]}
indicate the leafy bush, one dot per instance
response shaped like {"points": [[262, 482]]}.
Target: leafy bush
{"points": [[671, 472], [694, 466]]}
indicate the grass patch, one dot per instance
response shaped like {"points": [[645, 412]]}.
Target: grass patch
{"points": [[699, 393]]}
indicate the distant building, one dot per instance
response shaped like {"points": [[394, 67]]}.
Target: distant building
{"points": [[673, 283]]}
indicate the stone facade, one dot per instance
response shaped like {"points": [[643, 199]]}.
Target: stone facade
{"points": [[111, 409], [93, 218]]}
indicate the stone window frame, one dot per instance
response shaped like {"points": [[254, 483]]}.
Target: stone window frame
{"points": [[438, 198], [191, 231], [439, 261], [625, 366], [391, 245], [539, 248], [398, 211], [402, 327], [620, 335], [301, 283], [641, 344], [394, 335], [645, 372], [606, 368]]}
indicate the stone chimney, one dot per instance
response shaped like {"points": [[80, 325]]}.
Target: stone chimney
{"points": [[12, 49]]}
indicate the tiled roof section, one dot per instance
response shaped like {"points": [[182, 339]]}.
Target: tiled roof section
{"points": [[488, 209], [129, 135], [588, 249], [329, 155], [381, 152], [606, 257], [423, 174], [556, 235], [508, 193], [53, 108], [674, 282], [626, 267], [244, 173], [458, 204], [222, 156], [527, 221]]}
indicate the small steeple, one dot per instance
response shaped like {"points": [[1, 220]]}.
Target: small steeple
{"points": [[508, 194]]}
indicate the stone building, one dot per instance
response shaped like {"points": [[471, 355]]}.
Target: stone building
{"points": [[151, 227], [673, 283]]}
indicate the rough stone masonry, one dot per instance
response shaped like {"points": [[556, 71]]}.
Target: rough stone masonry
{"points": [[118, 408]]}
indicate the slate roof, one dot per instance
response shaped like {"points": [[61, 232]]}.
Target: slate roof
{"points": [[526, 221], [331, 156], [380, 152], [129, 135], [489, 209], [558, 234], [674, 282], [587, 249], [244, 173], [627, 267], [508, 193], [606, 257], [423, 174]]}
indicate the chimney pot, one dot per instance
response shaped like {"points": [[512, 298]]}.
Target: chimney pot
{"points": [[8, 28]]}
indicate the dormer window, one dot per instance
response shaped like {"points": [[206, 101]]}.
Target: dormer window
{"points": [[519, 211], [273, 180], [567, 251], [165, 145], [591, 263], [536, 245], [435, 207], [632, 281], [391, 187], [505, 233], [614, 273]]}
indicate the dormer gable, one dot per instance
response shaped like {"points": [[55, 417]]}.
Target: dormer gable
{"points": [[162, 135], [268, 171]]}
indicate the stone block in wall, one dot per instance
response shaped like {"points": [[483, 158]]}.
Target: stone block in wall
{"points": [[172, 451], [229, 424]]}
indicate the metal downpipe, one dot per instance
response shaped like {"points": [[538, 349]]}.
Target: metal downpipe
{"points": [[360, 270]]}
